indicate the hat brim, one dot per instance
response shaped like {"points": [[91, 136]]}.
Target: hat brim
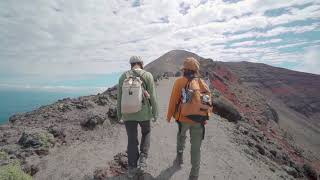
{"points": [[182, 68]]}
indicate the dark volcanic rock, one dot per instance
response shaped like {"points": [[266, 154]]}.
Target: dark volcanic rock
{"points": [[291, 171], [36, 140], [284, 158], [250, 143], [42, 152], [80, 106], [102, 100], [309, 172], [119, 165], [122, 160], [64, 107], [57, 132], [82, 103], [100, 174], [226, 109], [23, 154], [30, 169], [274, 153], [112, 92], [3, 142], [112, 113], [260, 149], [29, 140], [243, 130], [271, 114], [14, 118], [92, 122]]}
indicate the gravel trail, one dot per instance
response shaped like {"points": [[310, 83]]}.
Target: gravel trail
{"points": [[221, 158]]}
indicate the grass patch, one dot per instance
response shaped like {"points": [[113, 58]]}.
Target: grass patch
{"points": [[46, 139], [13, 171], [3, 156]]}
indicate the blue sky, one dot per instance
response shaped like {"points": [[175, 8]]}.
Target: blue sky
{"points": [[56, 40]]}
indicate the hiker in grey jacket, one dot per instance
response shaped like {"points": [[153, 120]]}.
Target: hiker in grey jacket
{"points": [[137, 112]]}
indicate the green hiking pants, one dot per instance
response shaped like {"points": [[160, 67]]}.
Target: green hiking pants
{"points": [[196, 134]]}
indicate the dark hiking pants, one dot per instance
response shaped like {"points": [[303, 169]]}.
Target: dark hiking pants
{"points": [[133, 143]]}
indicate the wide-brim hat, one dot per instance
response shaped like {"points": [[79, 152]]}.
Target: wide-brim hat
{"points": [[191, 63]]}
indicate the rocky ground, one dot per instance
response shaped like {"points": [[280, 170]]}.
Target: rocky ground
{"points": [[79, 139], [293, 95], [30, 137], [261, 122]]}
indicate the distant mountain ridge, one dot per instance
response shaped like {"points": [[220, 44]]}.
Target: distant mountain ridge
{"points": [[170, 62], [298, 90]]}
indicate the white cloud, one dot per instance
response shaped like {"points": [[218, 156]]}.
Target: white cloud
{"points": [[83, 37], [310, 61], [254, 43], [244, 43]]}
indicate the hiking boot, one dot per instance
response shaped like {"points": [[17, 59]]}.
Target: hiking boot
{"points": [[142, 163], [132, 172], [179, 159], [191, 177]]}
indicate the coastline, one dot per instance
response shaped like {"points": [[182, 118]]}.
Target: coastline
{"points": [[22, 101], [21, 98]]}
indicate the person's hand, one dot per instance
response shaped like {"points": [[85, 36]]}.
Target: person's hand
{"points": [[154, 119]]}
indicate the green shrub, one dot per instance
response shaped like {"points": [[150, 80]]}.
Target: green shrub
{"points": [[46, 139], [3, 156], [13, 172]]}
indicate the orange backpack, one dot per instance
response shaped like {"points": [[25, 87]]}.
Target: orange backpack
{"points": [[195, 103]]}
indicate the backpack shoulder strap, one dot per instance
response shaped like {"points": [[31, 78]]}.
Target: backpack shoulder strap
{"points": [[144, 83], [141, 77], [127, 74], [203, 86], [187, 86]]}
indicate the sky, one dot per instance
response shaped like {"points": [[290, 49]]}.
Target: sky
{"points": [[41, 41]]}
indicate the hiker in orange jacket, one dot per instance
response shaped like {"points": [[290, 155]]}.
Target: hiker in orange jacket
{"points": [[190, 105]]}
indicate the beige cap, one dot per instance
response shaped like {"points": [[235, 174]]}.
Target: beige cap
{"points": [[136, 59]]}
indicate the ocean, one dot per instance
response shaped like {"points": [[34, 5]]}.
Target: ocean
{"points": [[19, 99]]}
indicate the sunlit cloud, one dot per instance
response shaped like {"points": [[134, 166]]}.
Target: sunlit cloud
{"points": [[78, 37]]}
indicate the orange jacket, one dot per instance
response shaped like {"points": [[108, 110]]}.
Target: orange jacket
{"points": [[173, 111]]}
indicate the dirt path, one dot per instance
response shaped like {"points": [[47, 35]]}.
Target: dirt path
{"points": [[221, 159]]}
